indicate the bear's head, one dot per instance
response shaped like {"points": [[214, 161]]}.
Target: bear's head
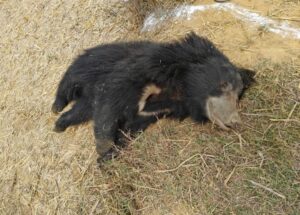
{"points": [[213, 89]]}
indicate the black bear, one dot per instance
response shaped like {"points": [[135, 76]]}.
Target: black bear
{"points": [[127, 86]]}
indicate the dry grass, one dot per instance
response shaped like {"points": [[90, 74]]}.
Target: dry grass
{"points": [[141, 8], [172, 168]]}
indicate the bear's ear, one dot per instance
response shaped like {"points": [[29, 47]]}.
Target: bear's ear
{"points": [[247, 77]]}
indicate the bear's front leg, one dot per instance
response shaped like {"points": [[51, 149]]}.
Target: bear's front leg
{"points": [[105, 129]]}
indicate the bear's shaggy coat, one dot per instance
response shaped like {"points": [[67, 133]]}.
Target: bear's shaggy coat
{"points": [[126, 86]]}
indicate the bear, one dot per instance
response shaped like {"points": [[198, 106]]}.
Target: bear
{"points": [[126, 86]]}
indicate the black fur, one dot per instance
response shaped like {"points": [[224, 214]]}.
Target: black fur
{"points": [[107, 82], [79, 80]]}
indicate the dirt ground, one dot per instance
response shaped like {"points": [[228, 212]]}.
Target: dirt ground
{"points": [[173, 167]]}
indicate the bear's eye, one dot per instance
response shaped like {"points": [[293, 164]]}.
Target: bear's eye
{"points": [[224, 85]]}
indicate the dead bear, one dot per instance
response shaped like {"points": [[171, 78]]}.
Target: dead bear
{"points": [[127, 86]]}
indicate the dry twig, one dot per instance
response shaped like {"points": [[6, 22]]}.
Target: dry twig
{"points": [[267, 189], [229, 176], [180, 165]]}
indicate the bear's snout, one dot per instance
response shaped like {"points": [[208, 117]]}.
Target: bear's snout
{"points": [[222, 110], [234, 120]]}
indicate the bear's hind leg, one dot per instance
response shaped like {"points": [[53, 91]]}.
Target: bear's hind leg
{"points": [[59, 104], [67, 91], [81, 112]]}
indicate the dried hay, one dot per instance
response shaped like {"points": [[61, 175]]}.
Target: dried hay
{"points": [[173, 168]]}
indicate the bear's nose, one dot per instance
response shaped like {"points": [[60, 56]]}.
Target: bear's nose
{"points": [[234, 120]]}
